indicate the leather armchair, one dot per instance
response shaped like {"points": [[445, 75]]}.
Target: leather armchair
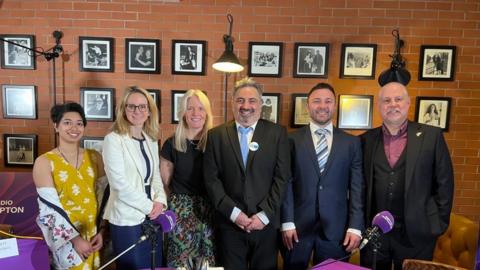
{"points": [[458, 245], [410, 264]]}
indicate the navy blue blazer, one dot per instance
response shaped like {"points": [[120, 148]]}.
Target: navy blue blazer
{"points": [[333, 198]]}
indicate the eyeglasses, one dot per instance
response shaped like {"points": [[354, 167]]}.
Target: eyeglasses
{"points": [[132, 107]]}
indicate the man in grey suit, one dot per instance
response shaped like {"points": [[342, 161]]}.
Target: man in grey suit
{"points": [[246, 168], [409, 173], [323, 209]]}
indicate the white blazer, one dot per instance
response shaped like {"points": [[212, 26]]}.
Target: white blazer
{"points": [[124, 165]]}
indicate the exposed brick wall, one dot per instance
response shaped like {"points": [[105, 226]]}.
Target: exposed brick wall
{"points": [[442, 22]]}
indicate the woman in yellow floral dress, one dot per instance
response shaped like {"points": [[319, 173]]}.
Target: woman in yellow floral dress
{"points": [[65, 178]]}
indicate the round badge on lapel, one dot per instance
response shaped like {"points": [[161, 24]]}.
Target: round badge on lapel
{"points": [[253, 146]]}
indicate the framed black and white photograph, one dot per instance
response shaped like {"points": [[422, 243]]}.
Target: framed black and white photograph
{"points": [[143, 55], [188, 57], [16, 57], [155, 94], [19, 101], [358, 61], [19, 149], [97, 103], [265, 59], [311, 60], [95, 143], [300, 115], [355, 111], [433, 111], [96, 54], [271, 107], [177, 95], [437, 63]]}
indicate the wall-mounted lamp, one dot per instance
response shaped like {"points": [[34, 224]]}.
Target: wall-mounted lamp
{"points": [[397, 71], [228, 62]]}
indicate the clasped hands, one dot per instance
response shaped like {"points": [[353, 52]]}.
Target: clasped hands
{"points": [[85, 248], [248, 224]]}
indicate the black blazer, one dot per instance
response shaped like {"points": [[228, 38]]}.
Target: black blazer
{"points": [[334, 198], [258, 187], [428, 180]]}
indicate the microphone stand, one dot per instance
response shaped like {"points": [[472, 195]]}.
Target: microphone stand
{"points": [[150, 232]]}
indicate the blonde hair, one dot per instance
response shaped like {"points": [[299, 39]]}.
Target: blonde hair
{"points": [[180, 137], [122, 125]]}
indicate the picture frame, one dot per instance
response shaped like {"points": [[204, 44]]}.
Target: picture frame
{"points": [[355, 111], [20, 149], [271, 107], [16, 57], [155, 94], [19, 101], [98, 103], [96, 54], [177, 95], [95, 143], [188, 57], [311, 60], [265, 59], [437, 63], [358, 61], [300, 115], [142, 56], [433, 111]]}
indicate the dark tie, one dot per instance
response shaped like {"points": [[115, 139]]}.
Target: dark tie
{"points": [[244, 143], [322, 148]]}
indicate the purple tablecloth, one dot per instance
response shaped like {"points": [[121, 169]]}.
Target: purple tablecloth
{"points": [[33, 255], [331, 264]]}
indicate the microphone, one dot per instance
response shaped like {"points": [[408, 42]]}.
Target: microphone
{"points": [[383, 222], [167, 221]]}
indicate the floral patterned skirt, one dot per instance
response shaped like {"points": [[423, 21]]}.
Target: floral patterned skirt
{"points": [[193, 236]]}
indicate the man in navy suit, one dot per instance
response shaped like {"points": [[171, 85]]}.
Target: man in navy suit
{"points": [[246, 168], [323, 209], [408, 172]]}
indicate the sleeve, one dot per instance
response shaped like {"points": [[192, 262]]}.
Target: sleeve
{"points": [[357, 188], [114, 162], [167, 151], [56, 230], [157, 183], [211, 172], [443, 177], [287, 209], [272, 203]]}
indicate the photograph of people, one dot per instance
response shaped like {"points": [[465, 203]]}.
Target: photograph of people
{"points": [[143, 56], [188, 57], [96, 55], [99, 106], [181, 167], [267, 110], [432, 116], [131, 157], [17, 55], [65, 178]]}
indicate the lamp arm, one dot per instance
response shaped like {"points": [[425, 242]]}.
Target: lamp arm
{"points": [[47, 54]]}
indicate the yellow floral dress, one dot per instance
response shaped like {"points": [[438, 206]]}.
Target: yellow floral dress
{"points": [[76, 191]]}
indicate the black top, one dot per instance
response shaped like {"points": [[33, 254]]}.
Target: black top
{"points": [[147, 163], [188, 169]]}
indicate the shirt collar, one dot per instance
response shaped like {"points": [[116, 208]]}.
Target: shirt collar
{"points": [[403, 129], [252, 126], [314, 127]]}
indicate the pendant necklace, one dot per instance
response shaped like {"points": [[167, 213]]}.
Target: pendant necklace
{"points": [[64, 157]]}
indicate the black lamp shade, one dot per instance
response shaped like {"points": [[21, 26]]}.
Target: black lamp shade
{"points": [[394, 74], [228, 62]]}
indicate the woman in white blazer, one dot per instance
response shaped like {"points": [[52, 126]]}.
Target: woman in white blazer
{"points": [[130, 153]]}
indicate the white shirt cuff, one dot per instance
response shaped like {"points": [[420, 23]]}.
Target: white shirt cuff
{"points": [[355, 231], [234, 214], [263, 217], [287, 226]]}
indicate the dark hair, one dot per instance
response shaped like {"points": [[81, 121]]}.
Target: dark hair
{"points": [[57, 111], [321, 86]]}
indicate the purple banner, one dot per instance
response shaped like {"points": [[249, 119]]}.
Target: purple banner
{"points": [[32, 254], [18, 203]]}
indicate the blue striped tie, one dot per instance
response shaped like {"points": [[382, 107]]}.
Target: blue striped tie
{"points": [[244, 143], [322, 148]]}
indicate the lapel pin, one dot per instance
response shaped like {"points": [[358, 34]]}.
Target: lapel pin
{"points": [[419, 133], [253, 146]]}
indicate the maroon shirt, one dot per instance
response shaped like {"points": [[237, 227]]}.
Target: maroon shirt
{"points": [[394, 144]]}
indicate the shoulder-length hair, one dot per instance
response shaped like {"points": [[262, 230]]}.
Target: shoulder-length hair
{"points": [[180, 138], [122, 125]]}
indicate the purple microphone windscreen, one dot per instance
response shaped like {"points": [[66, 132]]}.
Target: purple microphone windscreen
{"points": [[167, 220], [383, 220]]}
